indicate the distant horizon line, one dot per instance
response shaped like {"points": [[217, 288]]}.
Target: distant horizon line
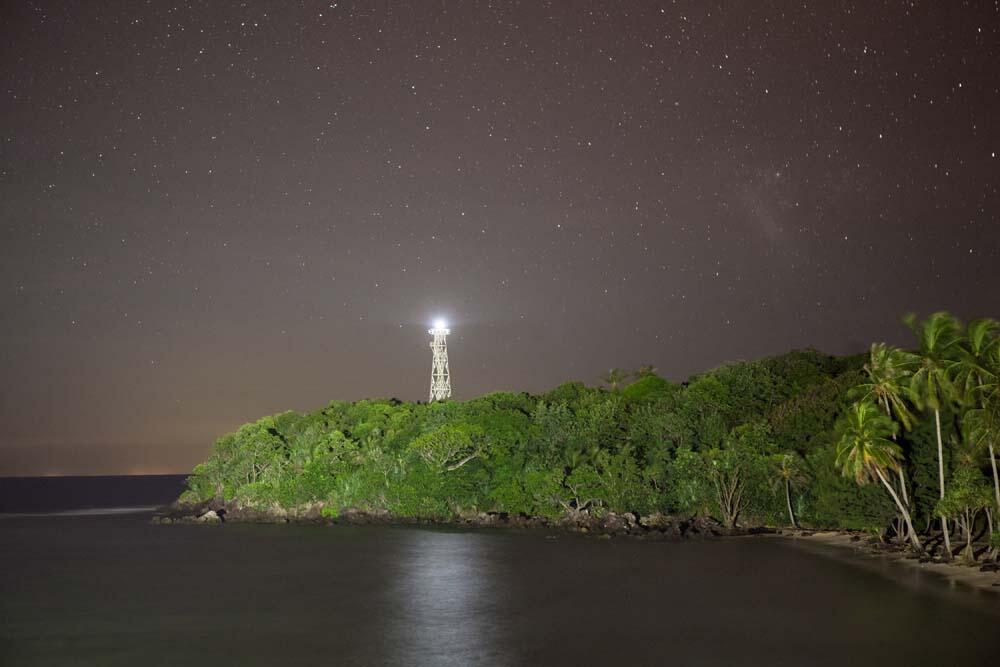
{"points": [[60, 475]]}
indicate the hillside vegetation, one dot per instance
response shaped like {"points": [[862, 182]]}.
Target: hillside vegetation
{"points": [[768, 442]]}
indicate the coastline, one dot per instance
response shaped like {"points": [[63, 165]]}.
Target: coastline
{"points": [[655, 527], [859, 545], [651, 527]]}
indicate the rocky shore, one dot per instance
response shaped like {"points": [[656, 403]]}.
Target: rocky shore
{"points": [[607, 524]]}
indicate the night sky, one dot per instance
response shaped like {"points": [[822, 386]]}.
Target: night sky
{"points": [[215, 211]]}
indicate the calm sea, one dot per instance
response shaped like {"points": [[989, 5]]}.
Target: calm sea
{"points": [[81, 494], [116, 590]]}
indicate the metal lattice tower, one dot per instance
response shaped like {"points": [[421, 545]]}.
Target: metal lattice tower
{"points": [[440, 378]]}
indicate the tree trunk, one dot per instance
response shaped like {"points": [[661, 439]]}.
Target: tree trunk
{"points": [[788, 501], [944, 519], [914, 540], [996, 480], [902, 479], [902, 488]]}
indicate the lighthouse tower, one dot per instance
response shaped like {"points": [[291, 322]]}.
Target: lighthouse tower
{"points": [[440, 378]]}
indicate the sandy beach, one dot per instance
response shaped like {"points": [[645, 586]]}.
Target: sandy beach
{"points": [[963, 575]]}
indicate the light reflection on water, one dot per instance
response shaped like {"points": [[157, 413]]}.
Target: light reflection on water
{"points": [[445, 590]]}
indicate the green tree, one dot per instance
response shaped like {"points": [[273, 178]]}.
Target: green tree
{"points": [[979, 378], [644, 371], [738, 471], [976, 352], [931, 386], [615, 377], [788, 472], [887, 375], [865, 452], [967, 495], [448, 448], [982, 429]]}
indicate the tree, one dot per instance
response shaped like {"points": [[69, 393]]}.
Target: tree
{"points": [[448, 448], [788, 472], [644, 371], [887, 375], [931, 386], [737, 470], [614, 377], [976, 351], [982, 430], [865, 452], [967, 495], [979, 378]]}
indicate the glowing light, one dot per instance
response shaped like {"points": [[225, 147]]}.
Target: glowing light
{"points": [[439, 323]]}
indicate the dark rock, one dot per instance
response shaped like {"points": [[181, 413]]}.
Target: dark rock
{"points": [[612, 523]]}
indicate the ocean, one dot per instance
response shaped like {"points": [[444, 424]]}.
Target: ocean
{"points": [[109, 589]]}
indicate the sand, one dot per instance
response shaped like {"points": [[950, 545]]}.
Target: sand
{"points": [[963, 575]]}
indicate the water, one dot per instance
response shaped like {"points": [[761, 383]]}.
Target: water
{"points": [[81, 494], [116, 590]]}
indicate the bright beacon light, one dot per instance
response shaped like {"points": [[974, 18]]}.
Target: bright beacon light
{"points": [[440, 324]]}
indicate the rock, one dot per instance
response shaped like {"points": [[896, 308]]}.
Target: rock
{"points": [[469, 515], [210, 517], [990, 567], [656, 520], [613, 523], [701, 526]]}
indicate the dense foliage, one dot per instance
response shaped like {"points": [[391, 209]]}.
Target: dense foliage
{"points": [[748, 443]]}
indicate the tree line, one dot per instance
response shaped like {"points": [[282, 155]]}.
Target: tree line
{"points": [[894, 440]]}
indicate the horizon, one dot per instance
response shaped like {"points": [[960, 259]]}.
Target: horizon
{"points": [[147, 472], [207, 447]]}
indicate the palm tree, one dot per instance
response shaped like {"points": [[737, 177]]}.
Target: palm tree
{"points": [[615, 377], [788, 473], [979, 378], [888, 372], [931, 387], [982, 429], [865, 452], [975, 356], [644, 371]]}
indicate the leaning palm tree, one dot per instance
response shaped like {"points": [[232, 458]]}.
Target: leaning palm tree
{"points": [[887, 375], [931, 386], [865, 452]]}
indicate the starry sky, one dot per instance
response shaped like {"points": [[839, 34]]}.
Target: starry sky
{"points": [[212, 211]]}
